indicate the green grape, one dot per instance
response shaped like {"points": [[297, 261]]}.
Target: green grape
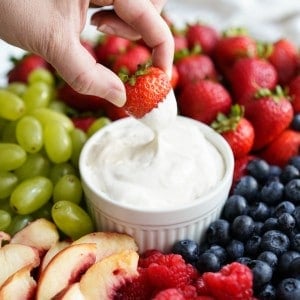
{"points": [[44, 212], [59, 170], [29, 133], [37, 95], [46, 115], [5, 205], [12, 106], [9, 132], [58, 106], [98, 124], [41, 75], [18, 88], [36, 164], [5, 220], [8, 182], [12, 156], [2, 125], [31, 194], [68, 188], [78, 138], [58, 144], [71, 219], [18, 222]]}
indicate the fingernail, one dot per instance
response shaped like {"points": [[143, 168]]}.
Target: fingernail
{"points": [[117, 97], [106, 29]]}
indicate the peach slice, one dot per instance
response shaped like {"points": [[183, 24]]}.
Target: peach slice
{"points": [[14, 257], [104, 277], [57, 247], [19, 286], [108, 243], [65, 268], [41, 234]]}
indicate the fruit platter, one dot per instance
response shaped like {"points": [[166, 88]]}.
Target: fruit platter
{"points": [[242, 80]]}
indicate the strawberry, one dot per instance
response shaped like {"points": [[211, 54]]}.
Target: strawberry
{"points": [[145, 89], [233, 45], [193, 66], [83, 123], [24, 66], [130, 59], [79, 101], [108, 47], [282, 148], [237, 131], [283, 57], [174, 77], [114, 112], [180, 40], [248, 75], [294, 93], [270, 113], [240, 167], [203, 100], [203, 35]]}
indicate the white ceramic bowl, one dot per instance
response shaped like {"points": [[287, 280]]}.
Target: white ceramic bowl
{"points": [[158, 229]]}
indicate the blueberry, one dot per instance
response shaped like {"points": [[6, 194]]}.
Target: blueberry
{"points": [[295, 242], [242, 227], [296, 215], [267, 292], [245, 260], [247, 187], [288, 289], [272, 192], [218, 232], [288, 173], [274, 172], [270, 258], [188, 249], [295, 161], [259, 211], [285, 261], [252, 245], [208, 262], [294, 269], [235, 249], [258, 228], [259, 169], [275, 241], [295, 124], [262, 273], [283, 207], [270, 224], [220, 252], [292, 190], [286, 222], [234, 206]]}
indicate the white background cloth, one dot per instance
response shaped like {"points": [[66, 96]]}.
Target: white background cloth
{"points": [[266, 20]]}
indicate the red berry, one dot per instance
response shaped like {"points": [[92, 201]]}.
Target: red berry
{"points": [[83, 123], [203, 100], [233, 282], [169, 294], [294, 93]]}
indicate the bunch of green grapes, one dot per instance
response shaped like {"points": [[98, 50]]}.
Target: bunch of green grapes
{"points": [[39, 152]]}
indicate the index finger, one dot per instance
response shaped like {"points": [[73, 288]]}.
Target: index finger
{"points": [[143, 17]]}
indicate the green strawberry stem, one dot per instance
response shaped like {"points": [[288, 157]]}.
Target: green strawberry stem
{"points": [[230, 122]]}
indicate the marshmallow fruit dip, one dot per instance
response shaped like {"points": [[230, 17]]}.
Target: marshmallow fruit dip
{"points": [[158, 162]]}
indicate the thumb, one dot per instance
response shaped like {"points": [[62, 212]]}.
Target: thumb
{"points": [[81, 71]]}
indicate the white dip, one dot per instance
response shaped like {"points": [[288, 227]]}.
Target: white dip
{"points": [[151, 168]]}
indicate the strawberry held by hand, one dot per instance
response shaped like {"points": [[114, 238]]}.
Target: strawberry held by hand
{"points": [[145, 90], [237, 131], [270, 114]]}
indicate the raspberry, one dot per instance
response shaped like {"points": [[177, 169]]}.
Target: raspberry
{"points": [[168, 294], [170, 271], [233, 282]]}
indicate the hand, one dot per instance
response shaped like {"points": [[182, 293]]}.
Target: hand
{"points": [[52, 29]]}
